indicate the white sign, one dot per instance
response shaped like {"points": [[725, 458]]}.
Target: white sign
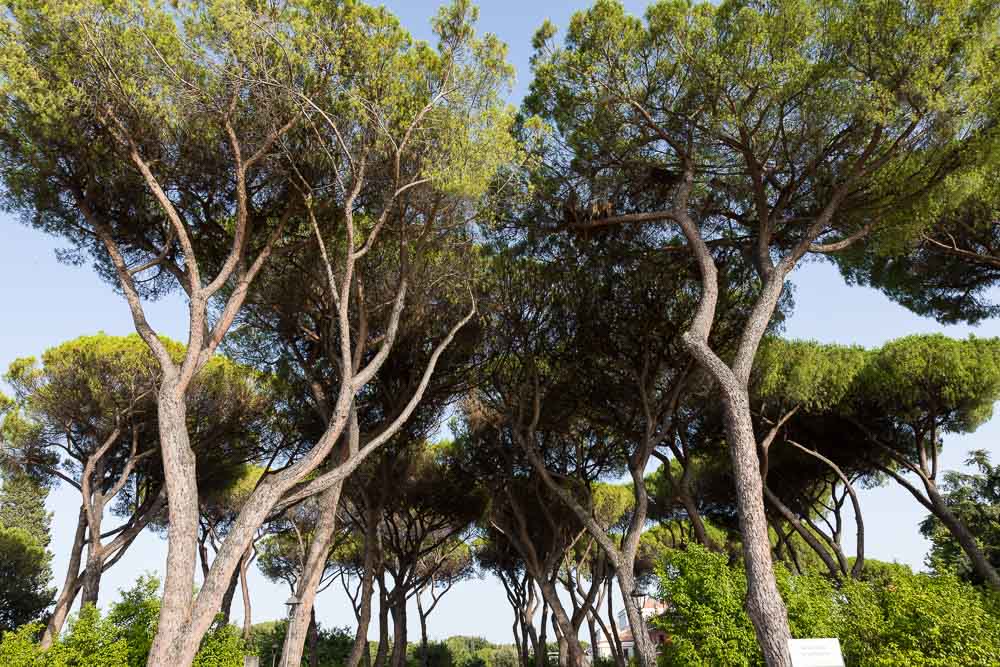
{"points": [[816, 652]]}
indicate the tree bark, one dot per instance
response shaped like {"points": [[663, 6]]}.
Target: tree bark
{"points": [[360, 647], [398, 611], [567, 632], [245, 591], [764, 604], [227, 600], [542, 647], [424, 658], [383, 624], [319, 551], [70, 585], [313, 633], [980, 565], [615, 639], [170, 648]]}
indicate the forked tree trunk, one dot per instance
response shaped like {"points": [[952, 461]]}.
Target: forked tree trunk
{"points": [[70, 585], [569, 642]]}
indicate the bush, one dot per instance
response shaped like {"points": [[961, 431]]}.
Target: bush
{"points": [[892, 618], [334, 645], [122, 639]]}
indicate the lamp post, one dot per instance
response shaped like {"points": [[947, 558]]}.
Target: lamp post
{"points": [[639, 597], [292, 603]]}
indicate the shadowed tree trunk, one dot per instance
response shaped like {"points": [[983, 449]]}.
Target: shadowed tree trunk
{"points": [[383, 623], [360, 647]]}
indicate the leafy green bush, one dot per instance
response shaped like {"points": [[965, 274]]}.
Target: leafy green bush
{"points": [[333, 644], [892, 618], [122, 639]]}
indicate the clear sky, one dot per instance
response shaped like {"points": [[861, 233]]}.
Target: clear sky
{"points": [[45, 303]]}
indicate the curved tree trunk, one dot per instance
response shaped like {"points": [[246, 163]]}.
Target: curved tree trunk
{"points": [[568, 640], [360, 647], [836, 568], [70, 585], [245, 591], [764, 604], [319, 551], [980, 565]]}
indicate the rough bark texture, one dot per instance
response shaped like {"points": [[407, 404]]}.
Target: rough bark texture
{"points": [[764, 603], [227, 600], [175, 643], [245, 591], [966, 539], [313, 634], [567, 631], [303, 616], [397, 608], [360, 647], [382, 653], [70, 585]]}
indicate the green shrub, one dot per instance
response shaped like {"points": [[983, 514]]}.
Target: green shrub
{"points": [[892, 618], [122, 639]]}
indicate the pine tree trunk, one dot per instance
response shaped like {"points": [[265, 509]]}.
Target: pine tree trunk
{"points": [[245, 591], [764, 604], [70, 586], [383, 625], [398, 611], [175, 644], [360, 647], [227, 599], [319, 551], [980, 565], [313, 640]]}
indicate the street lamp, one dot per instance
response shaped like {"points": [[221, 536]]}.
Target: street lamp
{"points": [[638, 596], [292, 602]]}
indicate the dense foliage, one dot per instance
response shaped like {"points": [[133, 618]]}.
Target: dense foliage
{"points": [[122, 638], [369, 240], [25, 562], [892, 617]]}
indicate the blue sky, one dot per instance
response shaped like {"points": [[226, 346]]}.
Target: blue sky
{"points": [[45, 303]]}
